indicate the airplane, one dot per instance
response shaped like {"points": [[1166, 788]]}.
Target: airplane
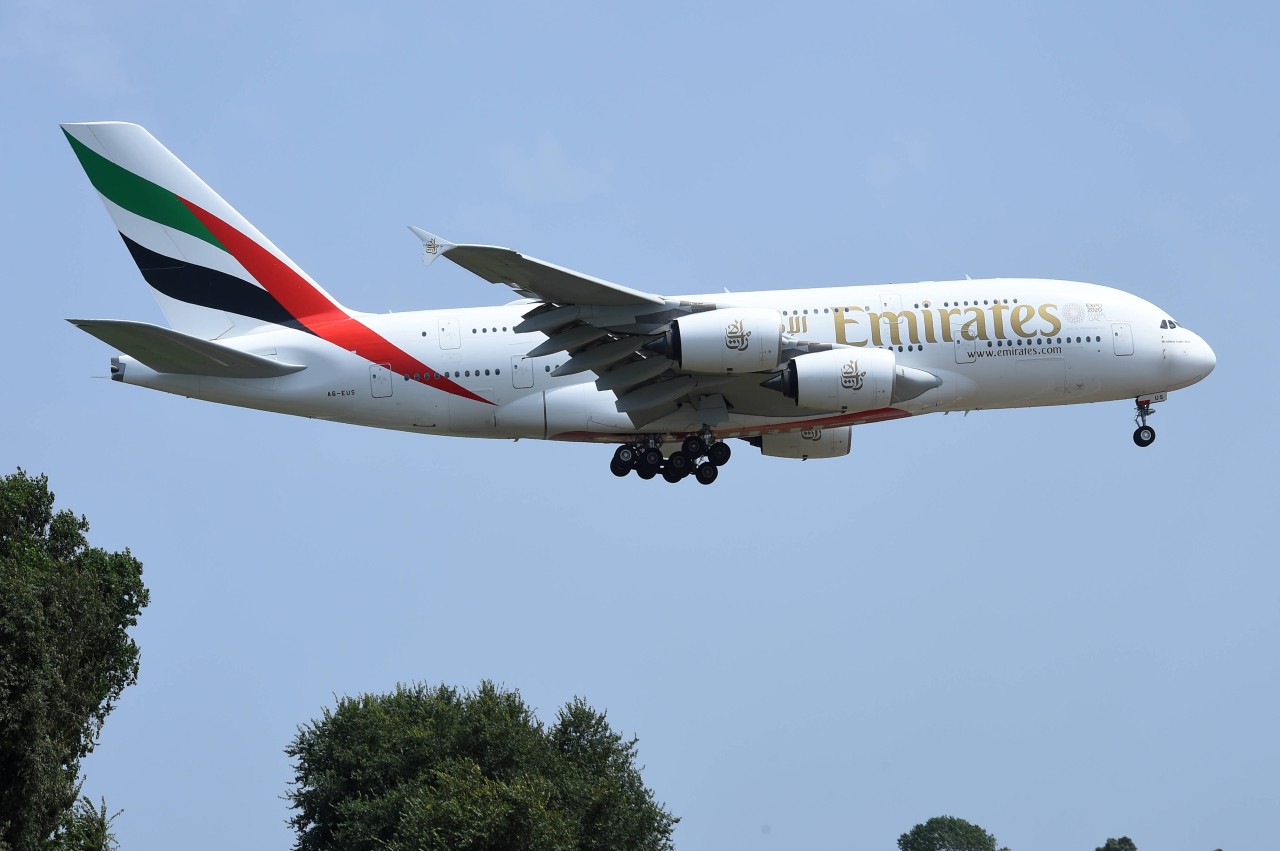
{"points": [[668, 379]]}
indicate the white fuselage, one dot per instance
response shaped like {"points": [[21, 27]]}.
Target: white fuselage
{"points": [[996, 343]]}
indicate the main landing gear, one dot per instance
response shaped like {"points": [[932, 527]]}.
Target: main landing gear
{"points": [[701, 456], [1144, 435]]}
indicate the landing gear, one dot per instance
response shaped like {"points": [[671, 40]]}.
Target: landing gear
{"points": [[719, 453], [1144, 435], [680, 463], [645, 457]]}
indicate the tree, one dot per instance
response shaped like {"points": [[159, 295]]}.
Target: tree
{"points": [[1124, 843], [65, 656], [438, 768], [85, 827], [947, 833]]}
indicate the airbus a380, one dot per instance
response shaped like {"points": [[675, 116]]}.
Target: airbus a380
{"points": [[668, 378]]}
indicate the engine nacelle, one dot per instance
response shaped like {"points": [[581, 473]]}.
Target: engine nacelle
{"points": [[731, 339], [815, 442], [848, 379]]}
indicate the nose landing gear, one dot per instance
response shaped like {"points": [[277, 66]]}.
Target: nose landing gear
{"points": [[645, 457], [1144, 435]]}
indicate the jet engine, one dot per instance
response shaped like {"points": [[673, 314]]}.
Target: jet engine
{"points": [[808, 443], [848, 379], [731, 339]]}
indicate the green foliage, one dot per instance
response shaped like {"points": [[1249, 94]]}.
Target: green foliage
{"points": [[65, 656], [85, 827], [438, 768], [947, 833], [1124, 843]]}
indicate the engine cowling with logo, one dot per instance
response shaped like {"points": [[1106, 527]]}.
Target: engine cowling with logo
{"points": [[730, 339], [849, 379], [808, 443]]}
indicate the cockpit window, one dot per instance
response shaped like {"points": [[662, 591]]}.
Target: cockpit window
{"points": [[1168, 323]]}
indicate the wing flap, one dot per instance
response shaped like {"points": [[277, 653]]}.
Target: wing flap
{"points": [[652, 395], [166, 350], [600, 357]]}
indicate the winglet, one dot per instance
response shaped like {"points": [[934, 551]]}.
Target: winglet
{"points": [[432, 245]]}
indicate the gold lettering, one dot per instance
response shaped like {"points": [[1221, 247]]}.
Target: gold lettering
{"points": [[1019, 316], [894, 321], [1047, 314], [999, 320], [928, 326], [843, 321], [979, 321], [945, 316]]}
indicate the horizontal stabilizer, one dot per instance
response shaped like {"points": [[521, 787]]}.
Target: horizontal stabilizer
{"points": [[166, 350]]}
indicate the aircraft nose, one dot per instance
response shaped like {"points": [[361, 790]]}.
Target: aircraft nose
{"points": [[1205, 359], [1193, 363]]}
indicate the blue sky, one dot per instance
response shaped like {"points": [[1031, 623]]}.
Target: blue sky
{"points": [[1013, 617]]}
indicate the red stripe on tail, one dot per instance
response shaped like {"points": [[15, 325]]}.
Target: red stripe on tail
{"points": [[318, 313]]}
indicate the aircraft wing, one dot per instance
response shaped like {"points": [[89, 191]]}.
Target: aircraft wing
{"points": [[613, 331], [532, 277], [166, 350]]}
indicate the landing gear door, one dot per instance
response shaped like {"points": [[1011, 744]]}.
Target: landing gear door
{"points": [[1122, 337], [966, 350], [380, 380], [521, 371]]}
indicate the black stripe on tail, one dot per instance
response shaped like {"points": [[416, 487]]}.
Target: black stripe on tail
{"points": [[205, 287]]}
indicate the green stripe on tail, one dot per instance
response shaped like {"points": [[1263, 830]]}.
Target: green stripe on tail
{"points": [[138, 195]]}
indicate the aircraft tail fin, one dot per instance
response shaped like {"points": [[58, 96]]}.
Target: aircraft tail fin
{"points": [[213, 273]]}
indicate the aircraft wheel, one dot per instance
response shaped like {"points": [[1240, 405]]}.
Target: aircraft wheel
{"points": [[694, 446], [619, 468], [719, 453], [651, 458], [680, 463], [644, 471], [626, 454], [1144, 435], [672, 475], [707, 472]]}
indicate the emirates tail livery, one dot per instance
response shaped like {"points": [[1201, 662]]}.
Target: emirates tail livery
{"points": [[579, 358]]}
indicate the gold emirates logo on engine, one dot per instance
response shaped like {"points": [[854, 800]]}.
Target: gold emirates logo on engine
{"points": [[851, 377], [859, 326], [735, 337]]}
